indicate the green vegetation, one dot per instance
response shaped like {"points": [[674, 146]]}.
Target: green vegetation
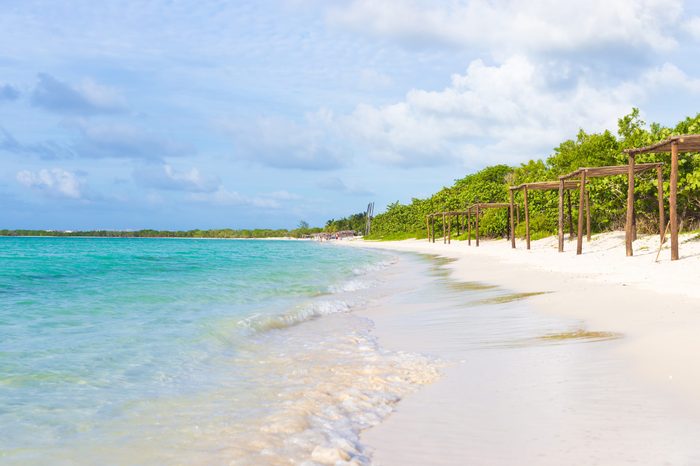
{"points": [[608, 195], [355, 222]]}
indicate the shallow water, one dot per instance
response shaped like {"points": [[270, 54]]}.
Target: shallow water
{"points": [[519, 386], [149, 351]]}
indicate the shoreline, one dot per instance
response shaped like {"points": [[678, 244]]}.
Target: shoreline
{"points": [[653, 306]]}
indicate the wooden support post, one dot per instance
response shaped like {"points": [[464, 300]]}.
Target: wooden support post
{"points": [[571, 215], [561, 216], [660, 195], [527, 218], [588, 216], [444, 230], [673, 214], [449, 229], [581, 198], [512, 221], [477, 225], [629, 224], [672, 201], [469, 226]]}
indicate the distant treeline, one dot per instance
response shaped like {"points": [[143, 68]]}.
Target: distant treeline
{"points": [[355, 222], [222, 233], [607, 195]]}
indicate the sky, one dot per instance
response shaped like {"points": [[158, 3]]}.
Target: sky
{"points": [[176, 114]]}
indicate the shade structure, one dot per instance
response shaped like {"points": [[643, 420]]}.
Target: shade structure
{"points": [[674, 145], [535, 186], [586, 173], [448, 217]]}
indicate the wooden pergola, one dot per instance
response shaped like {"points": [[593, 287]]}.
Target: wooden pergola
{"points": [[478, 208], [536, 186], [446, 224], [674, 146], [587, 173], [474, 209]]}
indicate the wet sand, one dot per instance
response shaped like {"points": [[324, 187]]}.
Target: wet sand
{"points": [[595, 370]]}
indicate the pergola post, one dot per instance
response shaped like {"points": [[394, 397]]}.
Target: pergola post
{"points": [[449, 229], [571, 215], [672, 201], [629, 224], [588, 216], [527, 218], [444, 229], [469, 226], [561, 215], [512, 221], [477, 225], [660, 195], [581, 198]]}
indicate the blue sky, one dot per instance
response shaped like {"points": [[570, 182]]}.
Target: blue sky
{"points": [[176, 114]]}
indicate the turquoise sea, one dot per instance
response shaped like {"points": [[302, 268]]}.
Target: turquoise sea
{"points": [[179, 351]]}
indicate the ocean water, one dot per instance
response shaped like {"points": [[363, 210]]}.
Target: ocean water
{"points": [[174, 351]]}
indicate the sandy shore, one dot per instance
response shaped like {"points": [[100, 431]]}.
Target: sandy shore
{"points": [[654, 306]]}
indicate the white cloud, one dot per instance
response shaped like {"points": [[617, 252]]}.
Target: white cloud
{"points": [[125, 140], [54, 182], [283, 196], [516, 25], [168, 178], [373, 79], [86, 98], [336, 184], [671, 77], [501, 113], [692, 27], [223, 196], [282, 143]]}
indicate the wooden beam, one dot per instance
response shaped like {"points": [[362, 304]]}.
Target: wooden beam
{"points": [[571, 214], [581, 199], [672, 201], [660, 196], [512, 220], [527, 218], [561, 216], [629, 236]]}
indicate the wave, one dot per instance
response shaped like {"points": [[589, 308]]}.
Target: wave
{"points": [[361, 280], [262, 323]]}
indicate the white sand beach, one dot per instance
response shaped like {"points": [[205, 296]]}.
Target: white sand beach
{"points": [[631, 400]]}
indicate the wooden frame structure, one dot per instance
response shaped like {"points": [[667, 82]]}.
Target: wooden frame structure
{"points": [[480, 207], [447, 217], [598, 172], [537, 186], [446, 227], [674, 146]]}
